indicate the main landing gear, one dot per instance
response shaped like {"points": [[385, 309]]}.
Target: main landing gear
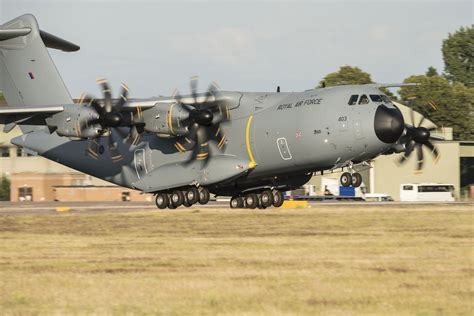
{"points": [[187, 198], [261, 200], [354, 179]]}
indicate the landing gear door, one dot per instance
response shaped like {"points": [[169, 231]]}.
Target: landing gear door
{"points": [[140, 163]]}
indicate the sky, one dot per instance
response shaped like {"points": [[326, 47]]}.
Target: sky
{"points": [[156, 46]]}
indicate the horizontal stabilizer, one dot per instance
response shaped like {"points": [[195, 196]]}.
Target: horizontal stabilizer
{"points": [[52, 41], [219, 168]]}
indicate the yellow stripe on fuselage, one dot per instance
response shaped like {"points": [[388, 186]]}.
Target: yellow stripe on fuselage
{"points": [[247, 140]]}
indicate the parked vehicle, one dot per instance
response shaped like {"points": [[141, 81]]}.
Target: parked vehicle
{"points": [[377, 197], [420, 192]]}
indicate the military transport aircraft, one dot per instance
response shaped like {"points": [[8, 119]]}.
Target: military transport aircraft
{"points": [[249, 146]]}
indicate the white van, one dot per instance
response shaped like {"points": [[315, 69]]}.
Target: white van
{"points": [[421, 192]]}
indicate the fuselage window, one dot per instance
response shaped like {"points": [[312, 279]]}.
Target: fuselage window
{"points": [[375, 98], [364, 99], [353, 99], [385, 98]]}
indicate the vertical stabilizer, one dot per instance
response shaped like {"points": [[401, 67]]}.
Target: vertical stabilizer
{"points": [[28, 76]]}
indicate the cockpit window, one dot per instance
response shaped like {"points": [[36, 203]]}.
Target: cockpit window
{"points": [[375, 98], [353, 99], [385, 98], [364, 99]]}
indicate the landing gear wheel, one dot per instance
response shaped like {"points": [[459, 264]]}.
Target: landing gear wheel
{"points": [[177, 198], [192, 195], [356, 180], [278, 199], [346, 179], [186, 203], [161, 200], [266, 198], [251, 200], [204, 196], [236, 202], [172, 206]]}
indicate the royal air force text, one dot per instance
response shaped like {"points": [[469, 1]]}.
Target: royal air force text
{"points": [[298, 104]]}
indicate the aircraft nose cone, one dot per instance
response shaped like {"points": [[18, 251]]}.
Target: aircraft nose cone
{"points": [[388, 124]]}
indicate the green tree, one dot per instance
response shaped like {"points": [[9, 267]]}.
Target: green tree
{"points": [[346, 75], [458, 55], [445, 104], [350, 75], [431, 72], [4, 188]]}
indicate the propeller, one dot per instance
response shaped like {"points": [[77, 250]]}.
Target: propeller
{"points": [[416, 136], [109, 118], [202, 121]]}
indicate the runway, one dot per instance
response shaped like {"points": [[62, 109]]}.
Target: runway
{"points": [[82, 208]]}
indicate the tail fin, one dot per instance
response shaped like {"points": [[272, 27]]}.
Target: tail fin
{"points": [[28, 76]]}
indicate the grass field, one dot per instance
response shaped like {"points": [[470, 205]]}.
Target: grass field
{"points": [[330, 259]]}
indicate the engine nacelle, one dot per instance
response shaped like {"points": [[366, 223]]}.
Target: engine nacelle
{"points": [[75, 122], [166, 118]]}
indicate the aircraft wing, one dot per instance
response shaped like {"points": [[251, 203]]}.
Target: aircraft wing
{"points": [[8, 110], [219, 168], [11, 116]]}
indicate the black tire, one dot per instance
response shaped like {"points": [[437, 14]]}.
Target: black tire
{"points": [[266, 198], [192, 195], [346, 179], [278, 199], [177, 198], [172, 206], [162, 200], [356, 180], [186, 203], [251, 200], [236, 202], [204, 196]]}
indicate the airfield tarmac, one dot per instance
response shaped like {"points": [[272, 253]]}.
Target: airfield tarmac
{"points": [[45, 208], [338, 258]]}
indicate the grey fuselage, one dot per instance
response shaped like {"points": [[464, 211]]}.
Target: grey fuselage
{"points": [[284, 136]]}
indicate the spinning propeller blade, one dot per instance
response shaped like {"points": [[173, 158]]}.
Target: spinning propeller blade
{"points": [[203, 123], [110, 118], [416, 136]]}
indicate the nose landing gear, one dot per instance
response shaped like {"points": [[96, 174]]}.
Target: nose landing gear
{"points": [[354, 179]]}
